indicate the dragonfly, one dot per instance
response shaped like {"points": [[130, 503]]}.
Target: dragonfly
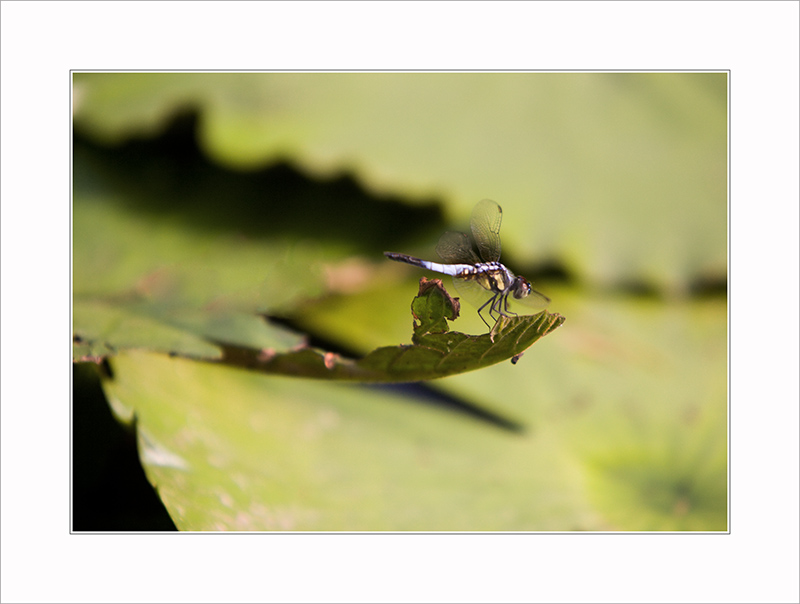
{"points": [[474, 263]]}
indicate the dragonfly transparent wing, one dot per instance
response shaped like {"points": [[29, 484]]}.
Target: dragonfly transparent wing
{"points": [[472, 292], [485, 225], [532, 303], [456, 248]]}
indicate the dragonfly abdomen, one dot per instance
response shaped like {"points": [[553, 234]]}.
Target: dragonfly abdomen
{"points": [[447, 269]]}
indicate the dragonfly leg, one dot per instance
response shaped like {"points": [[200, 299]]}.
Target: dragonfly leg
{"points": [[500, 306], [488, 302], [507, 312], [496, 308]]}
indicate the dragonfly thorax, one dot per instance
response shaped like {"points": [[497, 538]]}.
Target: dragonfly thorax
{"points": [[492, 276]]}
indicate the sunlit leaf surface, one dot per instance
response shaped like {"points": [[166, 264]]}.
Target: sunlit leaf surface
{"points": [[235, 450]]}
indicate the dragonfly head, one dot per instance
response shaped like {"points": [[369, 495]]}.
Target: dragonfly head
{"points": [[521, 288]]}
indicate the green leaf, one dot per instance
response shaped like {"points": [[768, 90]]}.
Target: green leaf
{"points": [[104, 326], [433, 308], [436, 352], [621, 178], [233, 450], [161, 280]]}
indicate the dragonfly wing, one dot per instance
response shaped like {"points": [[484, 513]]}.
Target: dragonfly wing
{"points": [[534, 301], [485, 225], [471, 291], [456, 248]]}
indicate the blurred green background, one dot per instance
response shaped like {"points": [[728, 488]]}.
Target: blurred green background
{"points": [[203, 201]]}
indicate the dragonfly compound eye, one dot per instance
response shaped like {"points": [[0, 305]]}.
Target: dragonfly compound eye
{"points": [[521, 288]]}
